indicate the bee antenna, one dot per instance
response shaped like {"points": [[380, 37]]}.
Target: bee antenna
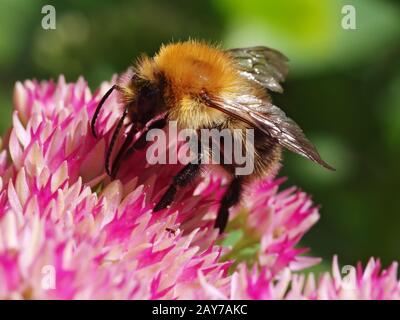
{"points": [[99, 106], [113, 140]]}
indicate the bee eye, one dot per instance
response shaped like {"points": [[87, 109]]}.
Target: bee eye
{"points": [[150, 92], [148, 102]]}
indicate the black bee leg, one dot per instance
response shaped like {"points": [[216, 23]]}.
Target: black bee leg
{"points": [[138, 145], [117, 161], [141, 142], [182, 179], [230, 198], [113, 140]]}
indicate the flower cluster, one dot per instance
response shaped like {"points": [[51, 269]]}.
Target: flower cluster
{"points": [[69, 232]]}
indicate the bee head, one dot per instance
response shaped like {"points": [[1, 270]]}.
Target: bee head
{"points": [[148, 101]]}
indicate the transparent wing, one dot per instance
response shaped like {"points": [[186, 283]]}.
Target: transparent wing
{"points": [[263, 115], [267, 67]]}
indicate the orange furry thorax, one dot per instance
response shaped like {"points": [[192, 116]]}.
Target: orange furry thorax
{"points": [[190, 67]]}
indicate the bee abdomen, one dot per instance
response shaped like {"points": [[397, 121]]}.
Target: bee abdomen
{"points": [[264, 153], [267, 156]]}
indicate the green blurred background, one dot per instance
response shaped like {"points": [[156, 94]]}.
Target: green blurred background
{"points": [[343, 88]]}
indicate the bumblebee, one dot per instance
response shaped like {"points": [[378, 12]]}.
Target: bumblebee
{"points": [[202, 87]]}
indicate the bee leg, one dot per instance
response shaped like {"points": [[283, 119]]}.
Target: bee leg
{"points": [[117, 161], [142, 142], [182, 179], [230, 198], [138, 145], [114, 140]]}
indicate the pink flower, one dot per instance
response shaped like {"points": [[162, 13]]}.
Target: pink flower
{"points": [[348, 283], [353, 283], [68, 232], [98, 245], [275, 222]]}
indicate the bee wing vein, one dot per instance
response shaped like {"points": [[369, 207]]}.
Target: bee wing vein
{"points": [[271, 120], [265, 66]]}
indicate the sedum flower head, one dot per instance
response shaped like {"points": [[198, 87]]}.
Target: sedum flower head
{"points": [[68, 232]]}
